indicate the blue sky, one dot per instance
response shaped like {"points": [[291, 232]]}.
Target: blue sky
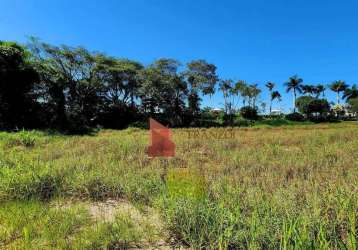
{"points": [[255, 40]]}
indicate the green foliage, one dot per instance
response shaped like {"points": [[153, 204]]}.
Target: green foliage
{"points": [[354, 104], [241, 122], [318, 106], [249, 113], [76, 91], [163, 89], [278, 122], [294, 84], [201, 75], [295, 117], [23, 138], [289, 186], [309, 105], [351, 93], [35, 225], [338, 86], [302, 103], [17, 80]]}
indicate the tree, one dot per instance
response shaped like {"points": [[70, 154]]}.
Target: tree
{"points": [[338, 86], [17, 81], [252, 92], [201, 77], [226, 86], [270, 86], [302, 104], [294, 84], [353, 105], [319, 106], [338, 110], [308, 105], [249, 113], [163, 91], [308, 89], [241, 88], [71, 83], [119, 79], [350, 93], [274, 95], [320, 89], [119, 91]]}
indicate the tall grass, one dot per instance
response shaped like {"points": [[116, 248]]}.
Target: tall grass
{"points": [[293, 187]]}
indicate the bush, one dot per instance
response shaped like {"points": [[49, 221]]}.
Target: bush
{"points": [[119, 117], [295, 117], [353, 105], [303, 102], [318, 106], [22, 186], [338, 110], [240, 122], [23, 138], [248, 112], [208, 123], [139, 124]]}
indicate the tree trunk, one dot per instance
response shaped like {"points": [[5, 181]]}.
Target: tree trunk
{"points": [[225, 102], [294, 100]]}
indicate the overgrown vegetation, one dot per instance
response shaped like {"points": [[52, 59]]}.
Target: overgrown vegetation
{"points": [[286, 187], [73, 90]]}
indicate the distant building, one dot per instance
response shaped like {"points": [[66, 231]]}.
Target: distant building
{"points": [[276, 112], [216, 110], [348, 112], [342, 111]]}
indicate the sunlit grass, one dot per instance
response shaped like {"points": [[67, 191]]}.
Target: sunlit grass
{"points": [[290, 187]]}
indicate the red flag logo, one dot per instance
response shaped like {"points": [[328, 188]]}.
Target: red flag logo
{"points": [[161, 143]]}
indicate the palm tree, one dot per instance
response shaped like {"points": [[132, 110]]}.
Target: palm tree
{"points": [[350, 93], [308, 89], [238, 90], [275, 95], [294, 85], [338, 86], [225, 86], [270, 86], [242, 87], [320, 88], [253, 93]]}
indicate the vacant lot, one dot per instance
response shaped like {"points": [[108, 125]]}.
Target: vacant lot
{"points": [[293, 187]]}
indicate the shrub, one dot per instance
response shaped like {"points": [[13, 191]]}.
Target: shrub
{"points": [[318, 106], [27, 139], [19, 186], [309, 105], [139, 124], [303, 102], [24, 138], [295, 117], [97, 189], [209, 123], [338, 110], [353, 105], [248, 112], [240, 122]]}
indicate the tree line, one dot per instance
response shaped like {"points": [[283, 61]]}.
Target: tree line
{"points": [[74, 90]]}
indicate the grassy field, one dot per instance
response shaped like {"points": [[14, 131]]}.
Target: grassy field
{"points": [[289, 187]]}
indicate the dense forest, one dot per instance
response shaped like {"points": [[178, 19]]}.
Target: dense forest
{"points": [[73, 90]]}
